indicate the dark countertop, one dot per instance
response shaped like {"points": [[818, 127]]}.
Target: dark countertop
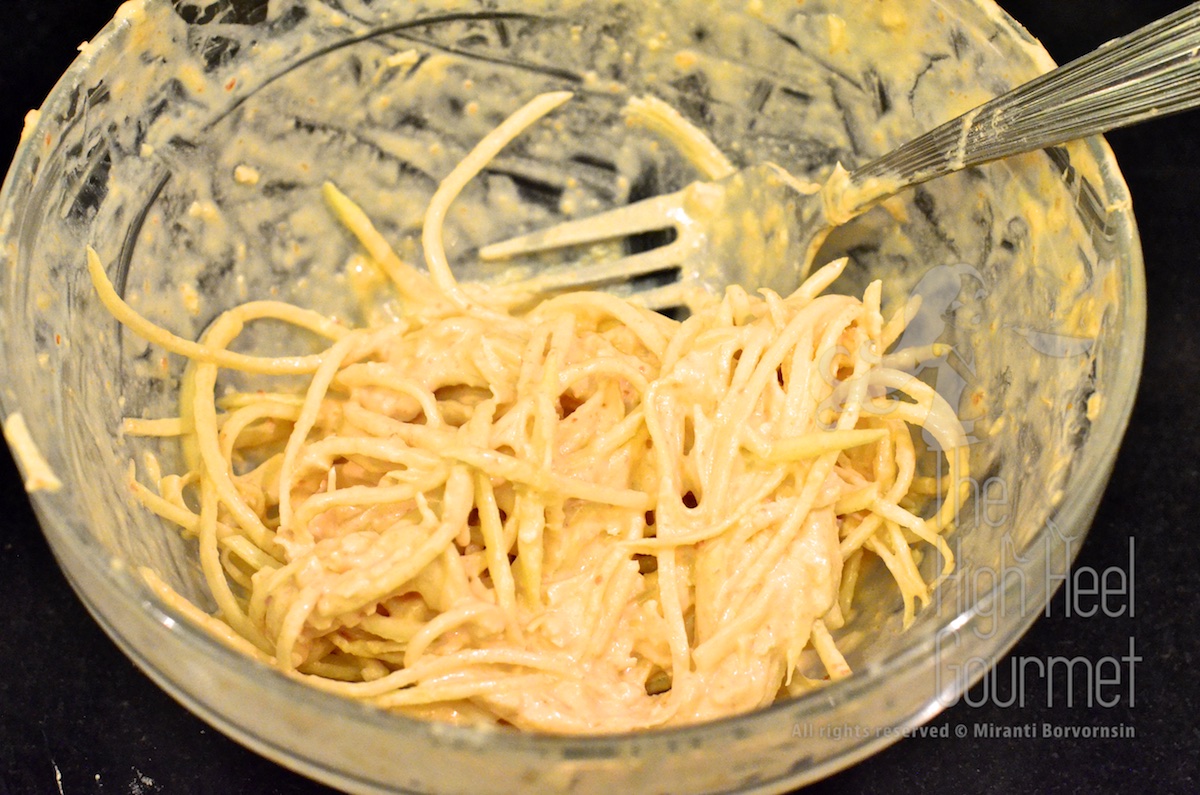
{"points": [[77, 717]]}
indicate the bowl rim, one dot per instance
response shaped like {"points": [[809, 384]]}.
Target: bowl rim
{"points": [[1081, 490]]}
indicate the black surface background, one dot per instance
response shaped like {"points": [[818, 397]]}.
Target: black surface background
{"points": [[77, 717]]}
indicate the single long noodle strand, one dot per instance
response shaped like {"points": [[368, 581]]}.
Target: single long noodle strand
{"points": [[219, 629], [214, 574], [483, 153], [150, 332], [204, 420], [660, 118], [413, 286], [170, 426], [331, 362]]}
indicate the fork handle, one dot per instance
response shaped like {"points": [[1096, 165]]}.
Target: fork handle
{"points": [[1154, 71]]}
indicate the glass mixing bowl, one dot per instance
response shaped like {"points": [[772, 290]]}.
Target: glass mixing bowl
{"points": [[189, 146]]}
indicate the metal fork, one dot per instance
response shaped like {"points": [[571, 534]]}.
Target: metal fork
{"points": [[761, 227]]}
